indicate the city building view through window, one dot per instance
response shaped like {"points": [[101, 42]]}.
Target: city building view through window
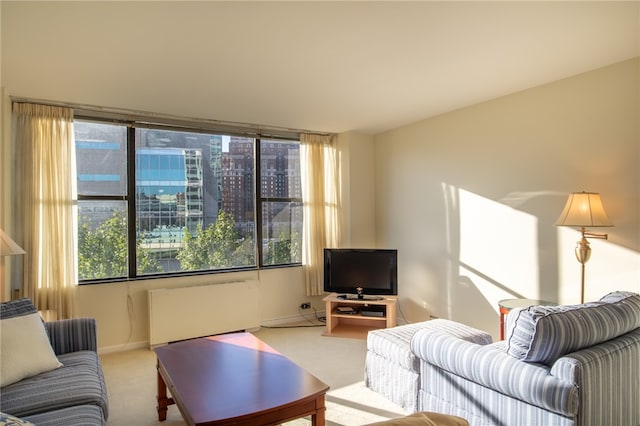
{"points": [[189, 202]]}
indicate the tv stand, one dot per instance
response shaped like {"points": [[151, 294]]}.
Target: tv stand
{"points": [[370, 313]]}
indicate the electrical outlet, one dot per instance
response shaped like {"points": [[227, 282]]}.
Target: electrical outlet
{"points": [[306, 305]]}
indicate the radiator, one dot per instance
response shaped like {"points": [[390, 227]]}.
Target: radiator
{"points": [[188, 312]]}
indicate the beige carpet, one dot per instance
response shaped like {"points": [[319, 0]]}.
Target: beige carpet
{"points": [[339, 362]]}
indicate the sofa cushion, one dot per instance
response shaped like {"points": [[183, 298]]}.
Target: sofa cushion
{"points": [[79, 381], [79, 415], [394, 343], [26, 349], [545, 333]]}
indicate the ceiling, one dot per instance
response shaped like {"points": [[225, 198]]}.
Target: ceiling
{"points": [[321, 66]]}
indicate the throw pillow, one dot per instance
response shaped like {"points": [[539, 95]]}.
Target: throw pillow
{"points": [[25, 349], [545, 333], [9, 420]]}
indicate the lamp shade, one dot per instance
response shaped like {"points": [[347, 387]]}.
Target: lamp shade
{"points": [[584, 210], [8, 247]]}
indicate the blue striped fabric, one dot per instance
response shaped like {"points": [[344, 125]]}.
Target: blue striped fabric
{"points": [[394, 343], [16, 308], [488, 367], [481, 406], [608, 376], [79, 381], [71, 335], [394, 382], [597, 385], [74, 394], [391, 368], [545, 333], [82, 415]]}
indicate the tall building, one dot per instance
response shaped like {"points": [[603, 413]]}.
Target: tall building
{"points": [[238, 183], [169, 187]]}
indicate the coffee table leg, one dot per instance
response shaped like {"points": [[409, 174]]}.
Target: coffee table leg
{"points": [[163, 401], [317, 419]]}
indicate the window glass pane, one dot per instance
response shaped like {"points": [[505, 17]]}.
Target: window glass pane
{"points": [[101, 152], [280, 189], [102, 239], [195, 200], [281, 233], [280, 169]]}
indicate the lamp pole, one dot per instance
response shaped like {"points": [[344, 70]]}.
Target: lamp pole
{"points": [[583, 253]]}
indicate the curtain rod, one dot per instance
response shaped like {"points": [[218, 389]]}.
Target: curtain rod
{"points": [[96, 111]]}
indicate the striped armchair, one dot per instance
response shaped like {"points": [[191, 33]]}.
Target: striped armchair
{"points": [[560, 365]]}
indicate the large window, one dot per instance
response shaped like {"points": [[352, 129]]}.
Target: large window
{"points": [[155, 201]]}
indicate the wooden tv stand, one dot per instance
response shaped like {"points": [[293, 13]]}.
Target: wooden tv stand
{"points": [[356, 325]]}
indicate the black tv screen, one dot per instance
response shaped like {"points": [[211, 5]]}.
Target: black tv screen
{"points": [[361, 271]]}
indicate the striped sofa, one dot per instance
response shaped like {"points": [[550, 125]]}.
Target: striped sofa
{"points": [[393, 370], [559, 365], [72, 394]]}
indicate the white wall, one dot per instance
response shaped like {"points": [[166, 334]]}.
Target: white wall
{"points": [[122, 311], [470, 198], [357, 160]]}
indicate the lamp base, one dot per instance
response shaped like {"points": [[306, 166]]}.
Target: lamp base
{"points": [[583, 250]]}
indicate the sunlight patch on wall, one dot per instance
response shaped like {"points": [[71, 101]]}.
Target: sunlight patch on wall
{"points": [[498, 248], [487, 288]]}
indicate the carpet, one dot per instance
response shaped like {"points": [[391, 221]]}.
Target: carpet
{"points": [[339, 362]]}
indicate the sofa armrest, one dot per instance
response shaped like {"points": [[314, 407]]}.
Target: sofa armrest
{"points": [[608, 375], [72, 335], [491, 367]]}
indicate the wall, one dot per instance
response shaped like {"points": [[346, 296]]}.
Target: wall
{"points": [[357, 160], [470, 197], [121, 309]]}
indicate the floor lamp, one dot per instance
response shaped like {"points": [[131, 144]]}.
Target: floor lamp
{"points": [[8, 247], [584, 210]]}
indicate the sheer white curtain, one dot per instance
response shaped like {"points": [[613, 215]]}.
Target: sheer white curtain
{"points": [[45, 205], [321, 205]]}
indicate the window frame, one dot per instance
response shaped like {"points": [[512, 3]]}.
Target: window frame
{"points": [[136, 122]]}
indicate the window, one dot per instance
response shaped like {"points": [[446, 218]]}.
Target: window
{"points": [[154, 201], [280, 202]]}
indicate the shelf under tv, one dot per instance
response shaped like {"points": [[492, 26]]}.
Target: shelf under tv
{"points": [[357, 325]]}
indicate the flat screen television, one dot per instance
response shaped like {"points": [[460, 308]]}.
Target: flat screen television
{"points": [[361, 272]]}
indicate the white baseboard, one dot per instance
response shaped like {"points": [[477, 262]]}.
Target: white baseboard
{"points": [[311, 316], [126, 347]]}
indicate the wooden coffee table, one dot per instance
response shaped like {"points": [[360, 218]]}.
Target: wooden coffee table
{"points": [[236, 379]]}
